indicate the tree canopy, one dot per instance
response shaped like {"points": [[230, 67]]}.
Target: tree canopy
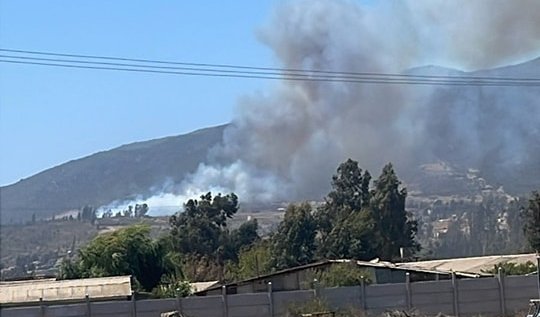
{"points": [[200, 231], [128, 251], [532, 221], [358, 222], [359, 219], [294, 241]]}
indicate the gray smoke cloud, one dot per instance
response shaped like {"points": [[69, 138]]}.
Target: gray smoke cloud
{"points": [[286, 143], [479, 33]]}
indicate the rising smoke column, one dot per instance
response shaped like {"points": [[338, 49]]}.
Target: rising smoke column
{"points": [[285, 143]]}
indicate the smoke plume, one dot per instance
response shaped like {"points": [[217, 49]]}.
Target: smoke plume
{"points": [[285, 143]]}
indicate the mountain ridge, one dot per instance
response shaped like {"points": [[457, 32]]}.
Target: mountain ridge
{"points": [[131, 170], [108, 175]]}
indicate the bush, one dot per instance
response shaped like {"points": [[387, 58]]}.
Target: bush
{"points": [[170, 287], [509, 268]]}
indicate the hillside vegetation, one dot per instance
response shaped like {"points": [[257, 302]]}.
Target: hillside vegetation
{"points": [[106, 176]]}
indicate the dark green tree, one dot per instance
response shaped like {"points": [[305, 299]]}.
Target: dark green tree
{"points": [[128, 251], [198, 229], [394, 227], [252, 261], [293, 243], [200, 232], [245, 236], [532, 221], [516, 222], [345, 223]]}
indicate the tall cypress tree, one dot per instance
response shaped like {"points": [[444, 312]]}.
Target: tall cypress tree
{"points": [[532, 221], [344, 220], [394, 228], [294, 242]]}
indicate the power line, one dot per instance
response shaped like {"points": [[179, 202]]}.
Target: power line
{"points": [[236, 71], [281, 70], [285, 77], [215, 70]]}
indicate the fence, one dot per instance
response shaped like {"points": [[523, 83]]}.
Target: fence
{"points": [[499, 296]]}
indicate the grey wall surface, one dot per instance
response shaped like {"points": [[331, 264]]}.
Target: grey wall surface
{"points": [[498, 296]]}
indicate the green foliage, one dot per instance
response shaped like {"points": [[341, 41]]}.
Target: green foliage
{"points": [[358, 223], [294, 242], [532, 221], [200, 232], [245, 236], [510, 268], [344, 274], [394, 227], [199, 228], [201, 268], [171, 287], [252, 261], [128, 251]]}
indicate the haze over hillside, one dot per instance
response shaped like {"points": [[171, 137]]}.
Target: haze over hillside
{"points": [[285, 143], [120, 173], [504, 119]]}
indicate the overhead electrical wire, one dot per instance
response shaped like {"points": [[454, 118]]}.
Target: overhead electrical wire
{"points": [[238, 71], [261, 68]]}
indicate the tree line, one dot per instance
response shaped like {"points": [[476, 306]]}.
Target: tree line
{"points": [[359, 218]]}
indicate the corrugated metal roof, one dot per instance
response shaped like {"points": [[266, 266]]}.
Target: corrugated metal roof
{"points": [[374, 264], [403, 267], [201, 286], [471, 264], [64, 290]]}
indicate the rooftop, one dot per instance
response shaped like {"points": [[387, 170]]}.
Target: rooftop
{"points": [[29, 291], [476, 265]]}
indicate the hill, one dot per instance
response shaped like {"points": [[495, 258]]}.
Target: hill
{"points": [[488, 128], [106, 176]]}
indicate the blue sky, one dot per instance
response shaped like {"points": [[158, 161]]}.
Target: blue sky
{"points": [[51, 115]]}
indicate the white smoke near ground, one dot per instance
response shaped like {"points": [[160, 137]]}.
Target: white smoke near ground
{"points": [[284, 144]]}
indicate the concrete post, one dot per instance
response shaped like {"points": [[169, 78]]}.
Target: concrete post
{"points": [[538, 271], [178, 301], [455, 294], [41, 307], [316, 291], [502, 293], [270, 300], [88, 311], [363, 293], [408, 290], [224, 301], [133, 304]]}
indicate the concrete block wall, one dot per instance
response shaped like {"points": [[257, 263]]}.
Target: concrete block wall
{"points": [[499, 296]]}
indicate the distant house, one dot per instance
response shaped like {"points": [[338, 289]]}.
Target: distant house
{"points": [[300, 277], [30, 292]]}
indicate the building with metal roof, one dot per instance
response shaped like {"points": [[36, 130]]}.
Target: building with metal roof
{"points": [[301, 277], [474, 265], [52, 290]]}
